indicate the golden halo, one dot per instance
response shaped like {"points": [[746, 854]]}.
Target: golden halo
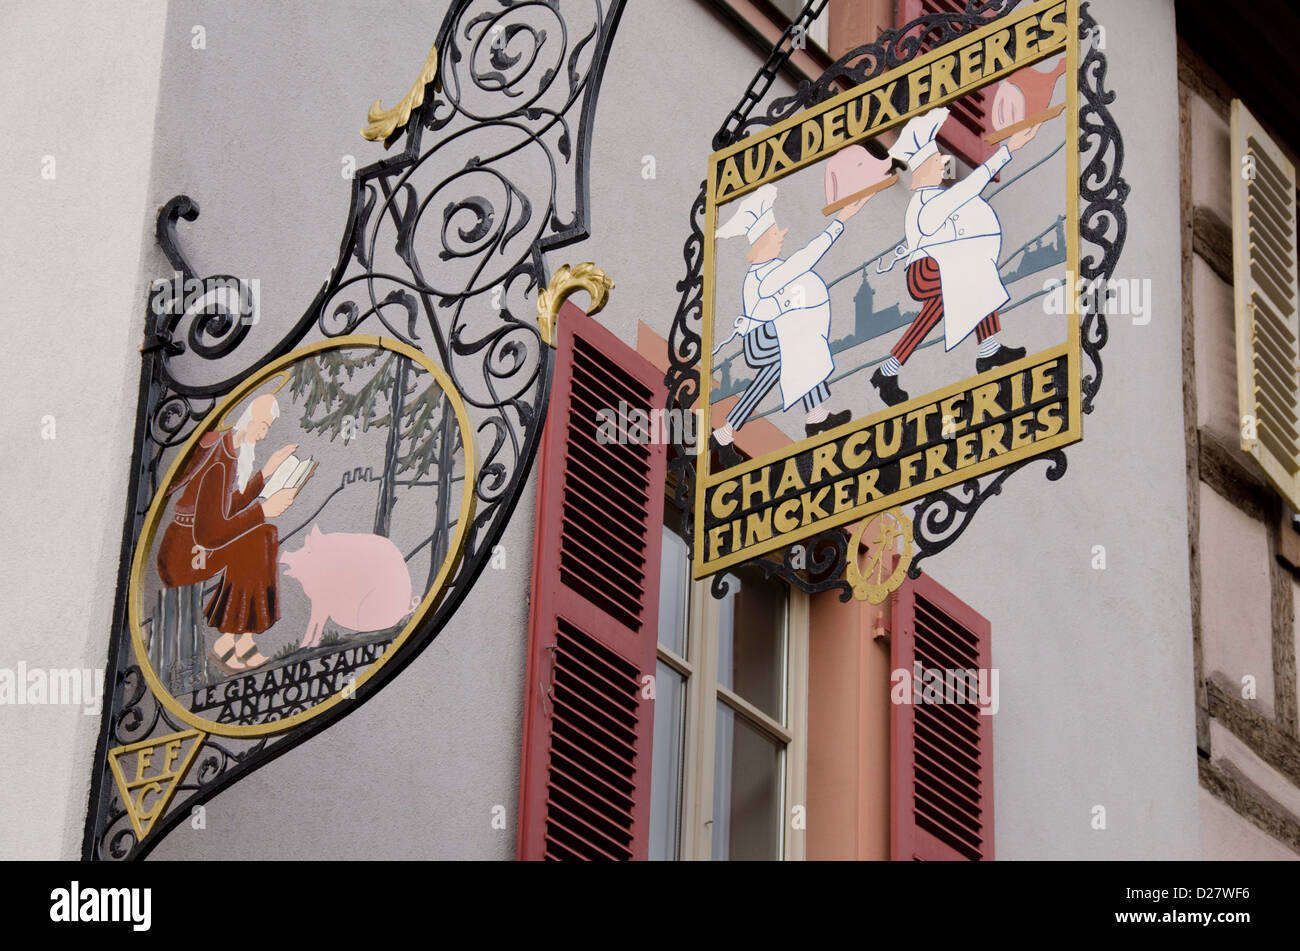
{"points": [[283, 376]]}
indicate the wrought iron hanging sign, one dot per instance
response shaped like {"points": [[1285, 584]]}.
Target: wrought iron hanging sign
{"points": [[841, 252], [310, 503]]}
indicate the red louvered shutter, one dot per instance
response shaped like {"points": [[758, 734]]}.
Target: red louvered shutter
{"points": [[941, 762], [963, 133], [584, 788]]}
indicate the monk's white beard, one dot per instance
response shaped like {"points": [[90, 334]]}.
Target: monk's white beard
{"points": [[244, 465]]}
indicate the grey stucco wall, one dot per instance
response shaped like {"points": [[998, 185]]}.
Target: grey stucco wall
{"points": [[1096, 705], [80, 86]]}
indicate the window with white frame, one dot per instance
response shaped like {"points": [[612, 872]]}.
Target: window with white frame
{"points": [[730, 713]]}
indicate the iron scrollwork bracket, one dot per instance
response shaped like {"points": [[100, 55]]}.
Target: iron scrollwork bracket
{"points": [[442, 248]]}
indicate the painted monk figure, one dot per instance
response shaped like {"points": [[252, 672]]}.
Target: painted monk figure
{"points": [[219, 529]]}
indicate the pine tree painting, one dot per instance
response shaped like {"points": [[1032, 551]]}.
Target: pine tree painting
{"points": [[424, 441]]}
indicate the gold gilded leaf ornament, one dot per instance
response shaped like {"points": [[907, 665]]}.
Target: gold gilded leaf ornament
{"points": [[386, 123]]}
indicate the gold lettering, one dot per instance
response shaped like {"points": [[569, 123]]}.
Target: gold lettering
{"points": [[1048, 416], [833, 128], [991, 441], [729, 179], [886, 449], [972, 60], [918, 88], [824, 461], [812, 504], [853, 457], [173, 752], [811, 134], [1053, 24], [780, 159], [790, 479], [952, 421], [858, 113], [935, 465], [907, 469], [867, 491], [143, 760], [715, 540], [966, 449], [752, 484], [718, 504], [758, 527], [885, 97], [1018, 391], [842, 490], [920, 418], [984, 403], [787, 523], [1021, 434], [1025, 45], [755, 160], [995, 52], [941, 81], [1043, 383], [156, 789]]}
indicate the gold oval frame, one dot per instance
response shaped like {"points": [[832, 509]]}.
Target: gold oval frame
{"points": [[144, 544]]}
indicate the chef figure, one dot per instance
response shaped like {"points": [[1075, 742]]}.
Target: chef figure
{"points": [[786, 323], [955, 239]]}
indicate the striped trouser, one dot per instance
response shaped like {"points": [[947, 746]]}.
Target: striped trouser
{"points": [[923, 284], [763, 353]]}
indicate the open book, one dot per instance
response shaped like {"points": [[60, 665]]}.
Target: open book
{"points": [[292, 473]]}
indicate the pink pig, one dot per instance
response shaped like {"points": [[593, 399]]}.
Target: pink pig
{"points": [[359, 580]]}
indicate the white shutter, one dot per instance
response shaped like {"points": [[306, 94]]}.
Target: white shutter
{"points": [[1264, 257]]}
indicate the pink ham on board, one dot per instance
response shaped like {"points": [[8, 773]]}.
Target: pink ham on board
{"points": [[851, 170], [1024, 93], [359, 581]]}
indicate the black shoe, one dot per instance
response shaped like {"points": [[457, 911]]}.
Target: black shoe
{"points": [[998, 357], [888, 388], [830, 422], [728, 455]]}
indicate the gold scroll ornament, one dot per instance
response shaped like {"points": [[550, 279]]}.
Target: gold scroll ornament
{"points": [[581, 277], [384, 124]]}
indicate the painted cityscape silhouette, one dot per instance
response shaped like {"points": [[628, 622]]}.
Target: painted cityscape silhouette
{"points": [[1041, 252]]}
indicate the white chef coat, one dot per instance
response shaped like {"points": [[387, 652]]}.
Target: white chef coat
{"points": [[790, 295], [961, 231]]}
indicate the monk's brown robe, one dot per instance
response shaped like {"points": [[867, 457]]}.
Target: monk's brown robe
{"points": [[238, 544]]}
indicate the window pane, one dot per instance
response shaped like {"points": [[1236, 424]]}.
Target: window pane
{"points": [[747, 783], [674, 584], [751, 640], [666, 767]]}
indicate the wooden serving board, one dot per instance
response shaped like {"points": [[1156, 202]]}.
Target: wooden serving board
{"points": [[1051, 112], [867, 192]]}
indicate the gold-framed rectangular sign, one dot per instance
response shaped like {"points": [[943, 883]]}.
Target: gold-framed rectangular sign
{"points": [[847, 362]]}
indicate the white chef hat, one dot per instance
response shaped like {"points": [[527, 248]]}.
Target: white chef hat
{"points": [[916, 142], [754, 216]]}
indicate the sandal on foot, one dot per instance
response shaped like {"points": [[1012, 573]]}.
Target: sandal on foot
{"points": [[221, 661]]}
